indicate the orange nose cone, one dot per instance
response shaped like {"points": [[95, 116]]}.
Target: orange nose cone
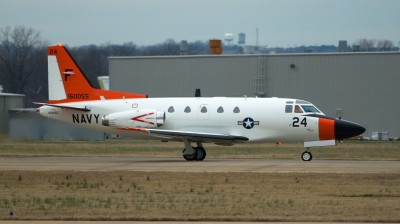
{"points": [[326, 128]]}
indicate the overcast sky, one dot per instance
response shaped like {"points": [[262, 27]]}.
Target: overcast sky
{"points": [[283, 23]]}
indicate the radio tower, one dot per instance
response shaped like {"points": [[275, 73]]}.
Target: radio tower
{"points": [[257, 38]]}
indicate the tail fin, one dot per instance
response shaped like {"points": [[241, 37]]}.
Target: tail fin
{"points": [[67, 83]]}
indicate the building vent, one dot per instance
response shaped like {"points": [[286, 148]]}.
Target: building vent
{"points": [[249, 49], [356, 48], [184, 47], [215, 47], [242, 38], [342, 45]]}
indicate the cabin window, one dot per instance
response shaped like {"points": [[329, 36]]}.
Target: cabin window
{"points": [[288, 108], [204, 110], [310, 109], [220, 110], [297, 109], [236, 110], [187, 109], [289, 102], [171, 109]]}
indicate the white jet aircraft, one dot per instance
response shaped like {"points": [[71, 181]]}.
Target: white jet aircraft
{"points": [[219, 120]]}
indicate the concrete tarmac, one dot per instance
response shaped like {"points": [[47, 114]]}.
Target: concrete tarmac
{"points": [[208, 165], [150, 222]]}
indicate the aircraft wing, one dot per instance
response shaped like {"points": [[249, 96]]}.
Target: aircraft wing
{"points": [[192, 136], [80, 108]]}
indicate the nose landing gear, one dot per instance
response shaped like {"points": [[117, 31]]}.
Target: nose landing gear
{"points": [[306, 155]]}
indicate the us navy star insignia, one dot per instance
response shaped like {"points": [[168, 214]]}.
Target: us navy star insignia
{"points": [[248, 123]]}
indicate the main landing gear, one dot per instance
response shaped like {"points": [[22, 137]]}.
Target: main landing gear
{"points": [[191, 153], [306, 155]]}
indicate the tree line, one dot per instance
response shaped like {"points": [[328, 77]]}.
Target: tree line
{"points": [[23, 58]]}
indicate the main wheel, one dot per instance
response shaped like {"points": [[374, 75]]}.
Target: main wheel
{"points": [[201, 153], [190, 157], [306, 156]]}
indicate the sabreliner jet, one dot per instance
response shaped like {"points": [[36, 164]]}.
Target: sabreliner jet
{"points": [[219, 120]]}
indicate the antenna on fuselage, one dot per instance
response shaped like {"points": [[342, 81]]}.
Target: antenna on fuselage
{"points": [[197, 93]]}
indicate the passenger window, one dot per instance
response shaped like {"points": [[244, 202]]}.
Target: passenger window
{"points": [[288, 108], [220, 110], [187, 109], [297, 109], [171, 109], [204, 110], [236, 110]]}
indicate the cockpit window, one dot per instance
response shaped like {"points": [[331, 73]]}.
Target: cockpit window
{"points": [[288, 108], [302, 102], [310, 109], [297, 109]]}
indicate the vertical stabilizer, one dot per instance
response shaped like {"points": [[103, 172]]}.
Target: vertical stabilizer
{"points": [[67, 82]]}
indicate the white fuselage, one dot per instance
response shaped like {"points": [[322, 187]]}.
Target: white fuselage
{"points": [[269, 122]]}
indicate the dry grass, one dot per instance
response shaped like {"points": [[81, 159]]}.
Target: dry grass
{"points": [[180, 196], [124, 195], [349, 150]]}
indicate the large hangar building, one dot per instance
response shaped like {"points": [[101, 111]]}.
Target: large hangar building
{"points": [[358, 86]]}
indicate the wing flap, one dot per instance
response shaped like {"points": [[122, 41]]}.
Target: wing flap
{"points": [[193, 136]]}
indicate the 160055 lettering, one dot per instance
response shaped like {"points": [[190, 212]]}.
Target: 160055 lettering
{"points": [[78, 96]]}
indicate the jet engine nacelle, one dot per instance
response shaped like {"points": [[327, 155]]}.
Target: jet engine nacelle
{"points": [[145, 118]]}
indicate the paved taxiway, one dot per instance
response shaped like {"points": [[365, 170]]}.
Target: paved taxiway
{"points": [[151, 222], [208, 165]]}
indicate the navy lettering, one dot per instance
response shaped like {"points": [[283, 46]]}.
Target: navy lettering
{"points": [[75, 119], [89, 118], [85, 118], [97, 118]]}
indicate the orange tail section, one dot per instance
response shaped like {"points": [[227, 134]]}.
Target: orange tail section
{"points": [[67, 83]]}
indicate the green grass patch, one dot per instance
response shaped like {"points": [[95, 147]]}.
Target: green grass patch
{"points": [[348, 150]]}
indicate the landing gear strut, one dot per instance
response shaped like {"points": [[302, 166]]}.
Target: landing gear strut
{"points": [[191, 153], [306, 155]]}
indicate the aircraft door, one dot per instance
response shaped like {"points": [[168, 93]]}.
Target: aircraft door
{"points": [[203, 111]]}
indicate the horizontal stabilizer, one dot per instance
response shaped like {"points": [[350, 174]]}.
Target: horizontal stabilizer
{"points": [[80, 108]]}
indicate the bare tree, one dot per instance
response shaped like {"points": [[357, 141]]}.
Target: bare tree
{"points": [[384, 45], [365, 44], [19, 48], [198, 47], [126, 49]]}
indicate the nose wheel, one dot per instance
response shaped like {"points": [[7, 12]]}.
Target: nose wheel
{"points": [[306, 155]]}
